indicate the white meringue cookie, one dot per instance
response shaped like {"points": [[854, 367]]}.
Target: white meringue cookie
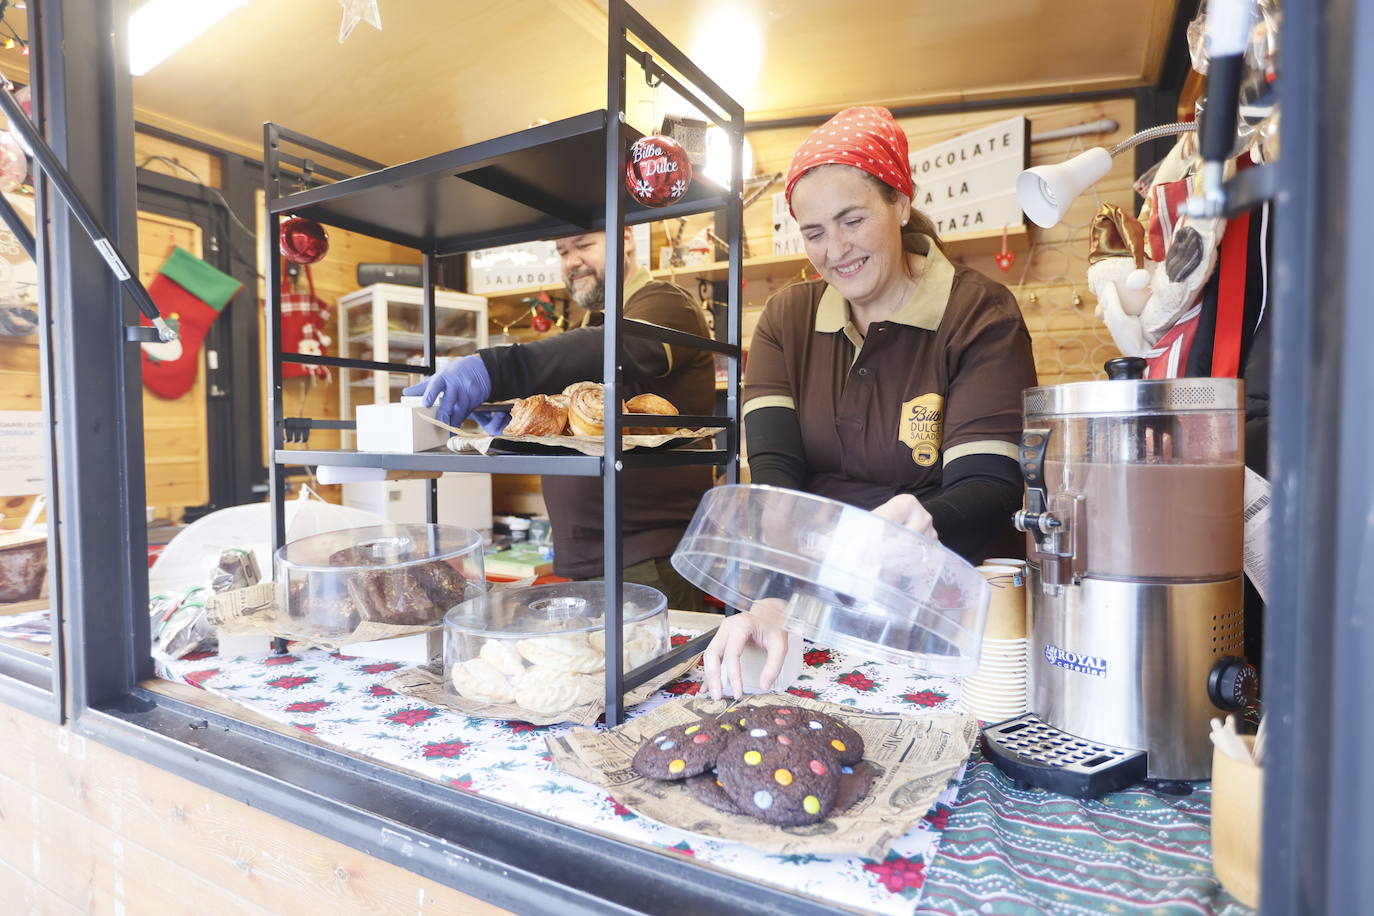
{"points": [[477, 680]]}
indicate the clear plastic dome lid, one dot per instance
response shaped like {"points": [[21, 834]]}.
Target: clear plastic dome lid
{"points": [[838, 575], [391, 546], [329, 584], [564, 607]]}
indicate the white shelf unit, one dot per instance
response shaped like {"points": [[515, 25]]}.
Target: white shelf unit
{"points": [[382, 322]]}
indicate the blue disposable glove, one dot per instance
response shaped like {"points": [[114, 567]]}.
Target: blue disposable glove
{"points": [[493, 422], [458, 387]]}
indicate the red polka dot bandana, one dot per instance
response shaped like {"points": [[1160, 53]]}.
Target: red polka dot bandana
{"points": [[866, 138]]}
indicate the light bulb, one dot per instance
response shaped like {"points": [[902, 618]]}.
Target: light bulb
{"points": [[717, 165], [160, 28]]}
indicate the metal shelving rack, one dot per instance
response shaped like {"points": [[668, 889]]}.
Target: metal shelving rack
{"points": [[548, 181]]}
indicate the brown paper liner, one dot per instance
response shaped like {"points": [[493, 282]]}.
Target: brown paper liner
{"points": [[916, 756], [587, 445]]}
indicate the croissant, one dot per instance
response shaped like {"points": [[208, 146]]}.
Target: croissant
{"points": [[537, 415], [650, 403], [586, 409]]}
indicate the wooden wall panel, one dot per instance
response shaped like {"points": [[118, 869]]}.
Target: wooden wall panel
{"points": [[187, 163], [84, 829], [95, 869], [20, 894]]}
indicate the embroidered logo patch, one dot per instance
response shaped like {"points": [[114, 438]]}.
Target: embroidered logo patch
{"points": [[921, 426]]}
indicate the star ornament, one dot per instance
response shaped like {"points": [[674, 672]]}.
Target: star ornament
{"points": [[356, 11]]}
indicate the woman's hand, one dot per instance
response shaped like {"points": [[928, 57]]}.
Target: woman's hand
{"points": [[735, 633], [907, 511]]}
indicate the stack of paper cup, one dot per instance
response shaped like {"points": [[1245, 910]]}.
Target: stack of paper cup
{"points": [[998, 691]]}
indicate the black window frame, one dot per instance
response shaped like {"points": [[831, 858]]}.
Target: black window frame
{"points": [[29, 680], [1320, 649]]}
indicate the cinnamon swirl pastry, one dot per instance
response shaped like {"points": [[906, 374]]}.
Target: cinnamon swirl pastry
{"points": [[568, 392], [586, 409], [650, 403], [537, 415]]}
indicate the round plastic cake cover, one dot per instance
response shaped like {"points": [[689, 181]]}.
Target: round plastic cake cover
{"points": [[838, 575]]}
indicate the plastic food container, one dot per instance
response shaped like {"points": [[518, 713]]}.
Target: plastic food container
{"points": [[23, 564], [543, 648], [329, 584], [839, 575]]}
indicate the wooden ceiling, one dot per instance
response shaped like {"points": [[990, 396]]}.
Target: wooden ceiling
{"points": [[444, 73]]}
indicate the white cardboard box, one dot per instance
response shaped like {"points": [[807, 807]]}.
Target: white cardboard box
{"points": [[398, 427], [243, 644], [416, 649], [464, 499]]}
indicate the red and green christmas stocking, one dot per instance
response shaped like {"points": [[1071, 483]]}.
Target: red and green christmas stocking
{"points": [[190, 294]]}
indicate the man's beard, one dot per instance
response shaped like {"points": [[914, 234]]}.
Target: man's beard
{"points": [[590, 297]]}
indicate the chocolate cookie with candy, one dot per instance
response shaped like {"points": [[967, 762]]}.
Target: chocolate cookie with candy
{"points": [[780, 776], [708, 788], [843, 741], [855, 781], [747, 717], [681, 751]]}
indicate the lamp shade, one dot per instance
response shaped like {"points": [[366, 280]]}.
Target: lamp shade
{"points": [[1047, 191]]}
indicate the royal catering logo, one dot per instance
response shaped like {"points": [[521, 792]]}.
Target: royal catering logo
{"points": [[1076, 661]]}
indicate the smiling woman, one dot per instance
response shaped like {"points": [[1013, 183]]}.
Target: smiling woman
{"points": [[896, 374], [893, 382]]}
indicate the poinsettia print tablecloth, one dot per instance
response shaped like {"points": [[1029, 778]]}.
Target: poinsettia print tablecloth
{"points": [[1000, 850], [342, 700]]}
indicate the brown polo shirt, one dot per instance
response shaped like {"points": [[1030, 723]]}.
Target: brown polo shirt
{"points": [[656, 503], [883, 414]]}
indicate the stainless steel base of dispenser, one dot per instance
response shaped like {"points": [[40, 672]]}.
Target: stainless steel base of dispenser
{"points": [[1127, 664]]}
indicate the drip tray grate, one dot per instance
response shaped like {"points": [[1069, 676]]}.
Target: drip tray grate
{"points": [[1033, 753]]}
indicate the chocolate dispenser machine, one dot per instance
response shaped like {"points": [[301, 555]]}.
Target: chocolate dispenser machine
{"points": [[1134, 491]]}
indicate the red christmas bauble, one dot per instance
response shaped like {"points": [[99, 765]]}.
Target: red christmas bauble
{"points": [[657, 172], [303, 241], [541, 323]]}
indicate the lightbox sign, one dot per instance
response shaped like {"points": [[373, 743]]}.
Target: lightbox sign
{"points": [[968, 184], [496, 270]]}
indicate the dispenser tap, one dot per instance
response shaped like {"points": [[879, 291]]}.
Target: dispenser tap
{"points": [[1056, 564], [1036, 519]]}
